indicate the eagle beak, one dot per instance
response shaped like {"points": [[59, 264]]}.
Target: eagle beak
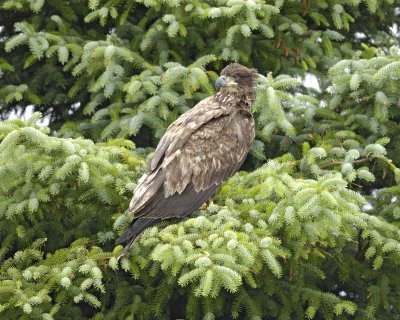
{"points": [[221, 82]]}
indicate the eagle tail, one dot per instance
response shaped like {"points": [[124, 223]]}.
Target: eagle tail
{"points": [[133, 232]]}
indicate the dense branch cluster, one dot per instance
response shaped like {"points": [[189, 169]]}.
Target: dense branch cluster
{"points": [[310, 230]]}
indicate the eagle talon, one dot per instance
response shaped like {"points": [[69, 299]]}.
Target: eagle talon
{"points": [[206, 204]]}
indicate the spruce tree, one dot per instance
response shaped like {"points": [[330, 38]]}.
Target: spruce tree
{"points": [[310, 227]]}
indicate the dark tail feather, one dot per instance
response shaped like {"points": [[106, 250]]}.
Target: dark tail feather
{"points": [[133, 232]]}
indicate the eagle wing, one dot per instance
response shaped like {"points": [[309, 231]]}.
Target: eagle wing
{"points": [[199, 151]]}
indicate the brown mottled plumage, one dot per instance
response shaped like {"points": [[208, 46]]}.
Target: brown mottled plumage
{"points": [[200, 150]]}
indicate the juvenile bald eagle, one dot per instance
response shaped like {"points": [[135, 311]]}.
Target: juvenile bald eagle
{"points": [[199, 151]]}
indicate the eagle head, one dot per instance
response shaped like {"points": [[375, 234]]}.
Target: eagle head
{"points": [[235, 77]]}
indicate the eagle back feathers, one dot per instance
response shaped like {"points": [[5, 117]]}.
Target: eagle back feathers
{"points": [[210, 156]]}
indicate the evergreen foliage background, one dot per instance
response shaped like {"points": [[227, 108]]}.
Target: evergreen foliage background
{"points": [[310, 229]]}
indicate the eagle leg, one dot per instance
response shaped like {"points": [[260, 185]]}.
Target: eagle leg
{"points": [[206, 204]]}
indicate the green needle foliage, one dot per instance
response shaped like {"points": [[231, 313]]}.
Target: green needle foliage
{"points": [[310, 228]]}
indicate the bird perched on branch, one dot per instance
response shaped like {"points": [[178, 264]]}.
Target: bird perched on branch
{"points": [[199, 151]]}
